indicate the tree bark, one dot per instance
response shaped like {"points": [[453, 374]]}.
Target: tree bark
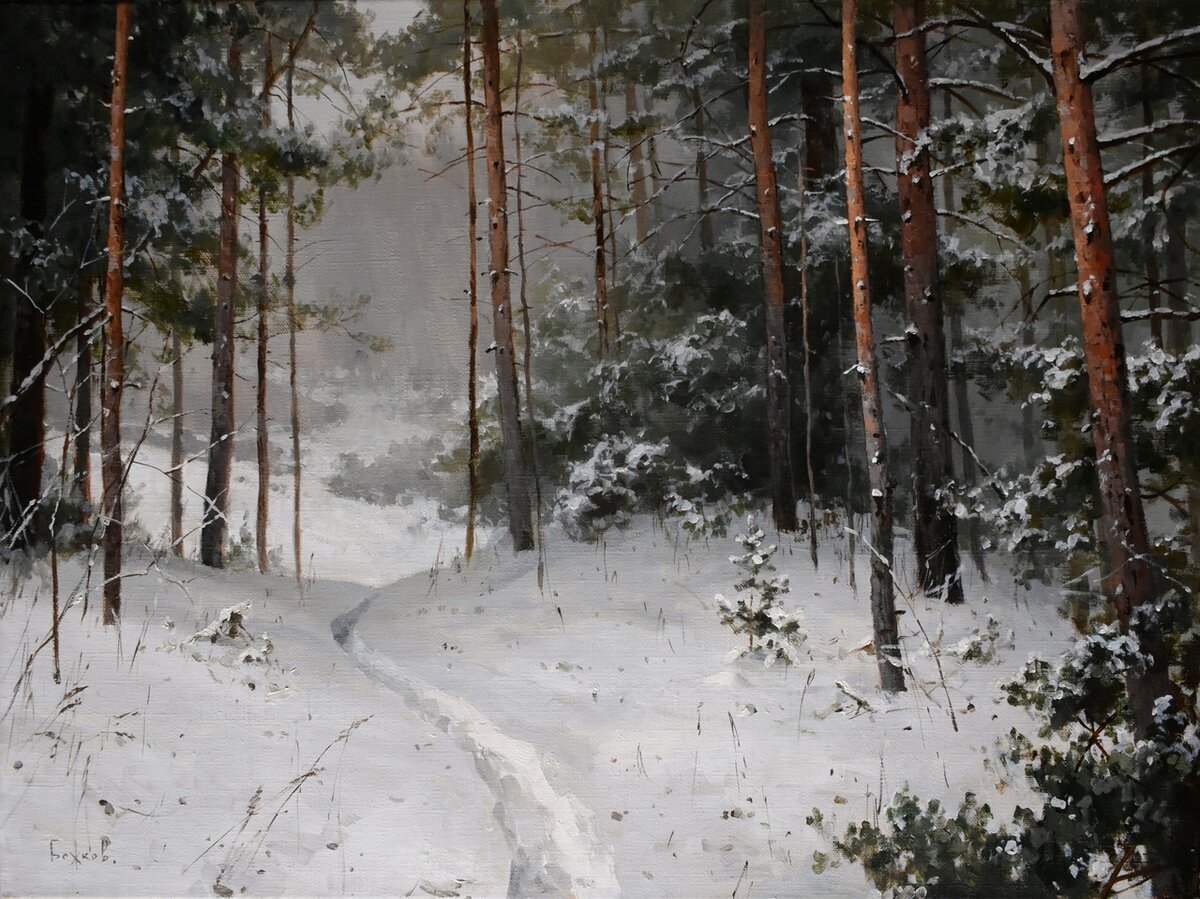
{"points": [[935, 529], [637, 172], [472, 295], [27, 423], [176, 444], [600, 266], [707, 239], [262, 442], [883, 610], [83, 401], [289, 281], [779, 395], [111, 468], [215, 529], [1132, 580], [516, 475]]}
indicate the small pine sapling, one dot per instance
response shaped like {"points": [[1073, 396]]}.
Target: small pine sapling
{"points": [[757, 610]]}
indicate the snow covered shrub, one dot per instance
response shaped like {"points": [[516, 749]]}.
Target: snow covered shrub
{"points": [[924, 853], [757, 610], [981, 645], [605, 489], [230, 639], [1113, 809]]}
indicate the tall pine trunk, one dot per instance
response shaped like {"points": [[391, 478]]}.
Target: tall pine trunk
{"points": [[176, 444], [114, 345], [935, 529], [883, 609], [1131, 580], [472, 294], [83, 400], [637, 173], [600, 261], [262, 442], [516, 475], [779, 395], [215, 529], [289, 281]]}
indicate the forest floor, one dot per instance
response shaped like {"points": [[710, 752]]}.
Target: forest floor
{"points": [[461, 732]]}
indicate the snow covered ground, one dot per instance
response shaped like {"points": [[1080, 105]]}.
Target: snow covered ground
{"points": [[460, 732]]}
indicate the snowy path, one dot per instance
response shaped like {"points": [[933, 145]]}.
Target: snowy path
{"points": [[552, 836]]}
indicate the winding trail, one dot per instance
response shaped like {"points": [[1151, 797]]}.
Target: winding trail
{"points": [[555, 847]]}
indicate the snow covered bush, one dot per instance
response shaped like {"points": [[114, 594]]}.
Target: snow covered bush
{"points": [[982, 644], [757, 610], [604, 490], [1105, 796]]}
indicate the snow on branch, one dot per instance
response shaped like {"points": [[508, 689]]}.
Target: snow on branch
{"points": [[47, 360], [1011, 35], [1150, 159], [1136, 53], [1120, 137]]}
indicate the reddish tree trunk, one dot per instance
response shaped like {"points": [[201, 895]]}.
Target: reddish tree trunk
{"points": [[935, 529], [114, 345], [779, 395], [1131, 580], [516, 475], [215, 530], [883, 609], [472, 294]]}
